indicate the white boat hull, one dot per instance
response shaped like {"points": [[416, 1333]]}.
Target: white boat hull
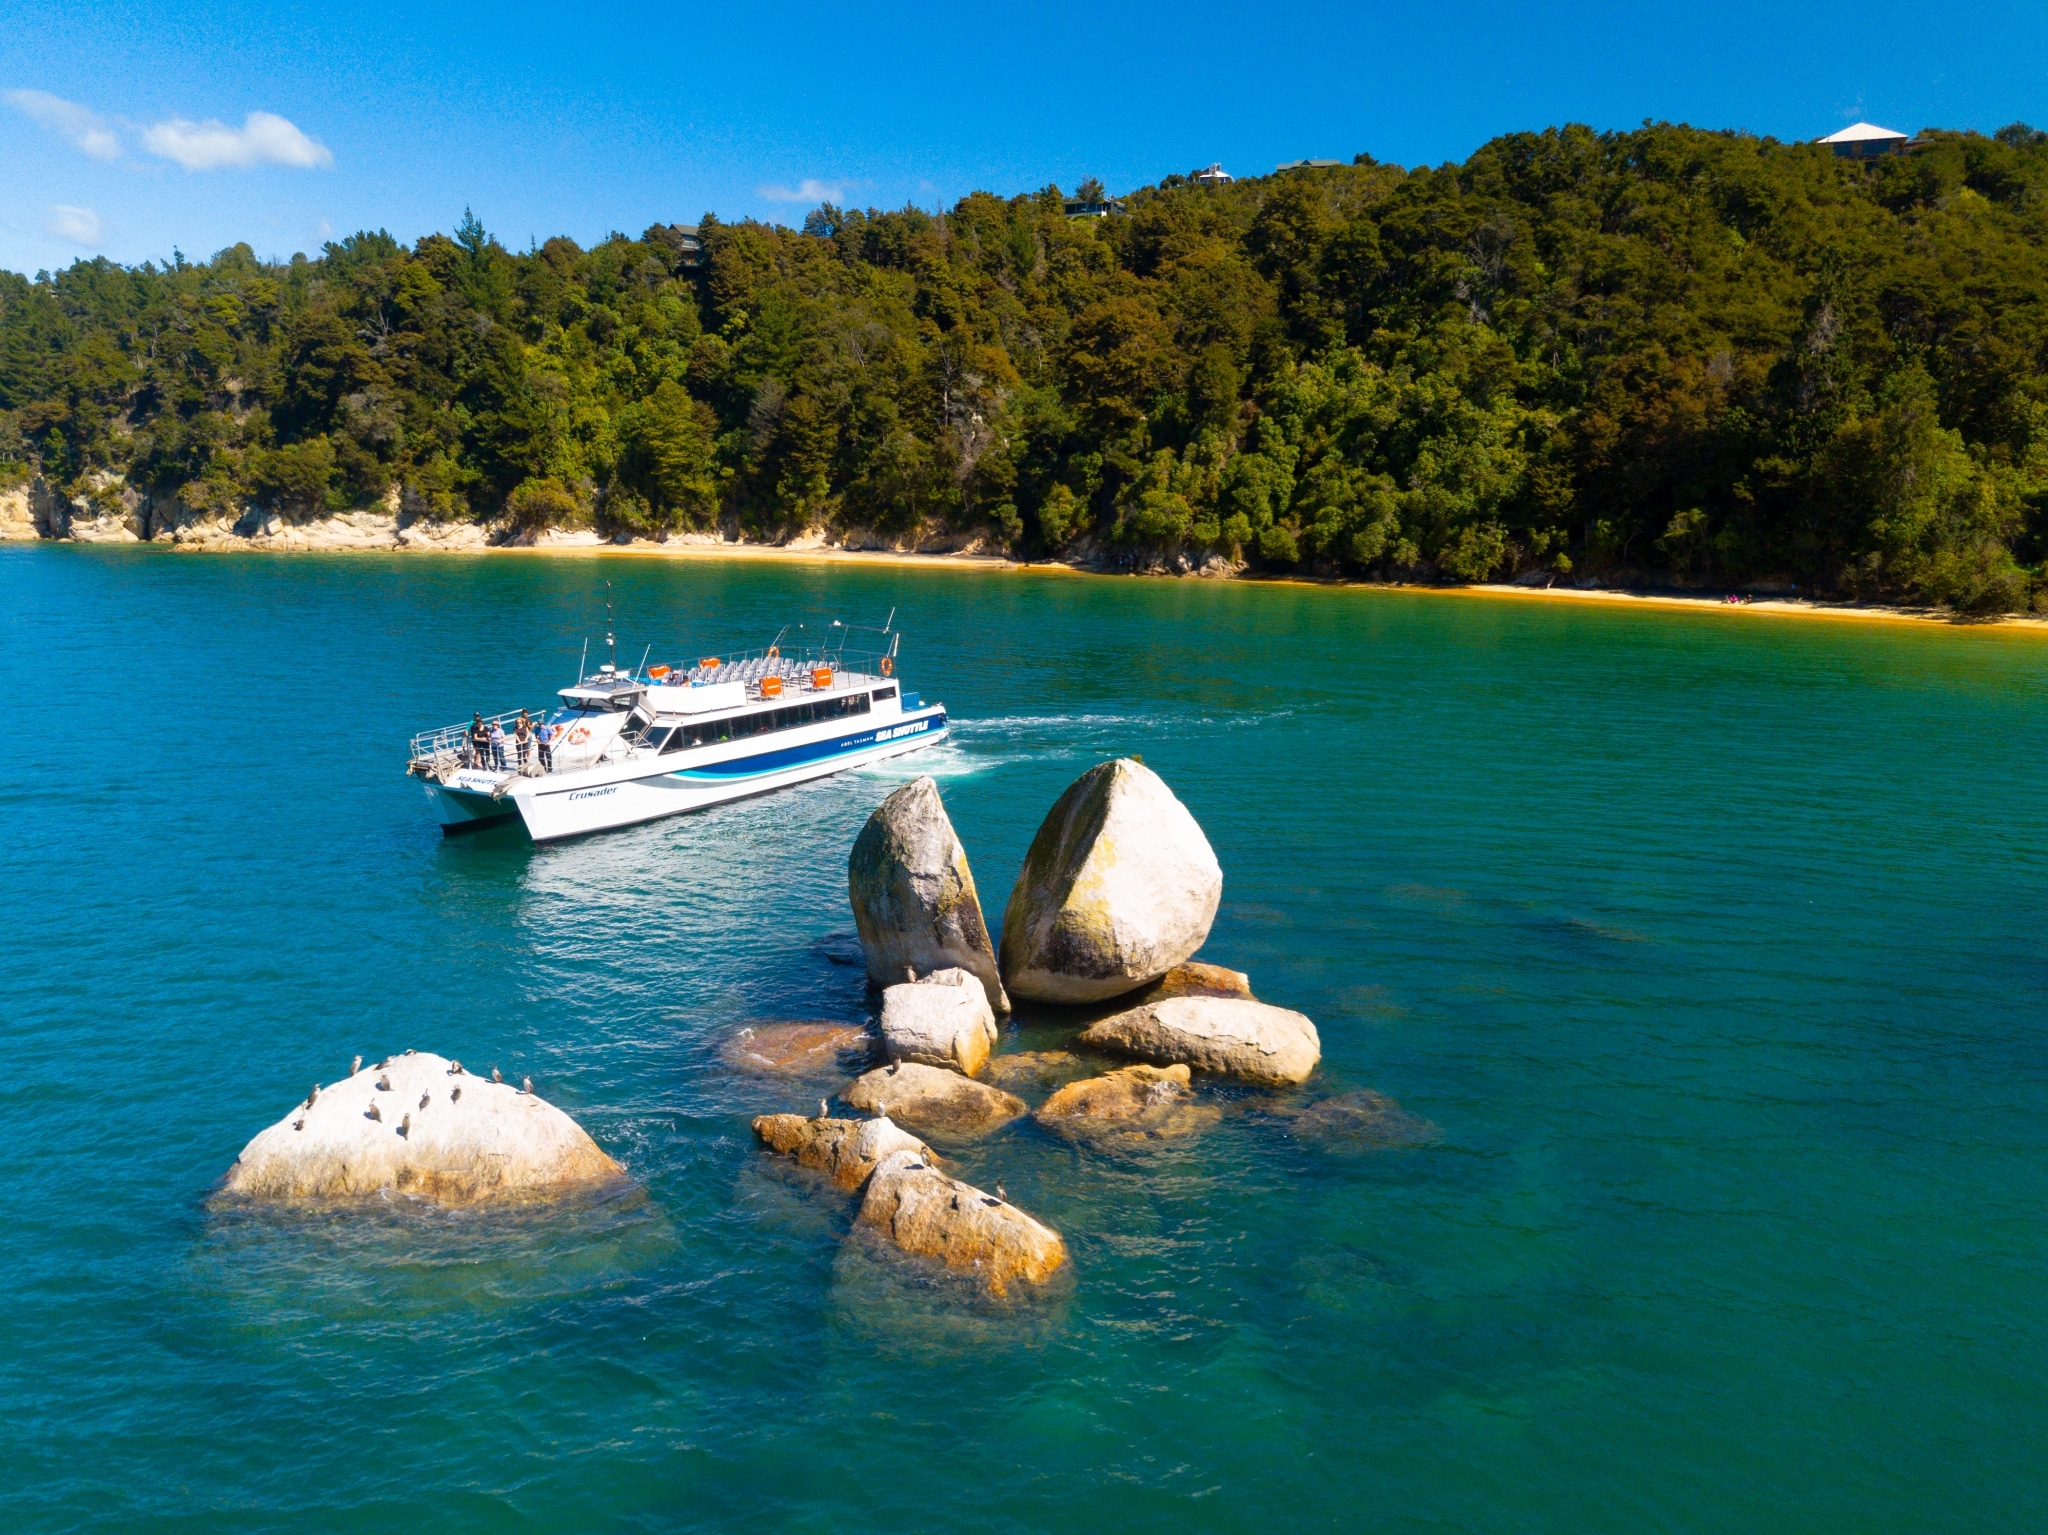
{"points": [[646, 787]]}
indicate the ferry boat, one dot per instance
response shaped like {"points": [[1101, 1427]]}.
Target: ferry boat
{"points": [[633, 746]]}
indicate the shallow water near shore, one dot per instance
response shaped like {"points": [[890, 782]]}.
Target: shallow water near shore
{"points": [[1703, 962]]}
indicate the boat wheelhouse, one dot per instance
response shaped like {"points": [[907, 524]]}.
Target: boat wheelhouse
{"points": [[626, 747]]}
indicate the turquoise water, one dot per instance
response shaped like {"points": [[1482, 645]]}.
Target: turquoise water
{"points": [[1712, 944]]}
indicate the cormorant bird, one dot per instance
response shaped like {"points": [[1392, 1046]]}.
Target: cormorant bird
{"points": [[298, 1124], [455, 1096], [823, 1111], [315, 1093], [373, 1113], [1005, 1198], [423, 1100], [405, 1125], [526, 1086], [455, 1068], [384, 1084], [496, 1075], [355, 1065]]}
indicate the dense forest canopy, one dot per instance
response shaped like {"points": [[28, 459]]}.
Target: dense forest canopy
{"points": [[1691, 357]]}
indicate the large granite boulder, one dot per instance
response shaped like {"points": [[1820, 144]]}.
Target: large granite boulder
{"points": [[1226, 1035], [942, 1020], [933, 1100], [913, 895], [1118, 887], [924, 1212], [797, 1049], [845, 1150], [1132, 1103], [418, 1124]]}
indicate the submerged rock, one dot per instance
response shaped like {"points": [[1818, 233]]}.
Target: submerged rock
{"points": [[913, 895], [1132, 1103], [1035, 1070], [926, 1213], [418, 1124], [798, 1049], [845, 1150], [1198, 980], [1221, 1034], [942, 1020], [1118, 887], [1363, 1121], [934, 1100]]}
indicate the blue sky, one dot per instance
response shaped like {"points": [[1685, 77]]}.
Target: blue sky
{"points": [[130, 129]]}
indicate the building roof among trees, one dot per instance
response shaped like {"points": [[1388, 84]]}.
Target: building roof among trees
{"points": [[1860, 133]]}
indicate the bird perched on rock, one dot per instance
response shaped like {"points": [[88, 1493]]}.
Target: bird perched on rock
{"points": [[423, 1100], [824, 1110], [455, 1068], [315, 1093], [1005, 1198], [412, 1052], [496, 1075], [355, 1065], [405, 1125], [384, 1084], [526, 1086], [372, 1112], [455, 1096], [298, 1124]]}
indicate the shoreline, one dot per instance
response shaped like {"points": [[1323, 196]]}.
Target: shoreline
{"points": [[972, 560]]}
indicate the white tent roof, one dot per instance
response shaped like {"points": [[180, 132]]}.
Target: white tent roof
{"points": [[1859, 133]]}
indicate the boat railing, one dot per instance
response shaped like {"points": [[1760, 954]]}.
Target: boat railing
{"points": [[436, 752], [789, 663]]}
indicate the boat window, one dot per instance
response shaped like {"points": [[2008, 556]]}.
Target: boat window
{"points": [[882, 693]]}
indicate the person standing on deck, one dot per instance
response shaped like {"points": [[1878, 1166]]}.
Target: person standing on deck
{"points": [[497, 746], [545, 736], [522, 734], [479, 743]]}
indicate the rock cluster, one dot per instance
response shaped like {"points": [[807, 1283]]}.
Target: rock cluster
{"points": [[1134, 1103], [913, 894], [418, 1124]]}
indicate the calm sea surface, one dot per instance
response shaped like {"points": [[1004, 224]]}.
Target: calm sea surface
{"points": [[1715, 946]]}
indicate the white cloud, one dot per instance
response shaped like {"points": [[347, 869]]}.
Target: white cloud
{"points": [[85, 128], [809, 190], [263, 139], [81, 226]]}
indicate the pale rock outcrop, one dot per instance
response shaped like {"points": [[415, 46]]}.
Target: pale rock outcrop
{"points": [[1198, 980], [845, 1150], [471, 1139], [1226, 1035], [797, 1049], [926, 1213], [109, 512], [23, 511], [942, 1020], [1130, 1104], [913, 895], [933, 1100], [1118, 887]]}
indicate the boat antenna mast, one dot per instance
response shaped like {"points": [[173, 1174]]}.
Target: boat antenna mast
{"points": [[611, 640]]}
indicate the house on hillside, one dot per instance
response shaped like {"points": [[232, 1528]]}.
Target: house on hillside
{"points": [[1214, 176], [1101, 209], [1867, 141], [1306, 165]]}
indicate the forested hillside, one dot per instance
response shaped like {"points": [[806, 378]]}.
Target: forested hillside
{"points": [[1667, 355]]}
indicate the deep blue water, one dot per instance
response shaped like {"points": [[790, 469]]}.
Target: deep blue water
{"points": [[1714, 945]]}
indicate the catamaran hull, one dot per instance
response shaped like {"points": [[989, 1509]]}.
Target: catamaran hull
{"points": [[572, 805]]}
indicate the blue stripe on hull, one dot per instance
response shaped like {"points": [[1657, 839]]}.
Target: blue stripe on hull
{"points": [[815, 751]]}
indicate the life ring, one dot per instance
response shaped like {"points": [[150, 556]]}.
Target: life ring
{"points": [[579, 735], [774, 652], [888, 666]]}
